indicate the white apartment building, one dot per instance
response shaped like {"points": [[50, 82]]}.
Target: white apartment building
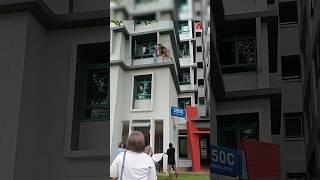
{"points": [[184, 39], [143, 89]]}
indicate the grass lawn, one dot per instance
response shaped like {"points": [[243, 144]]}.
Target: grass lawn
{"points": [[187, 176]]}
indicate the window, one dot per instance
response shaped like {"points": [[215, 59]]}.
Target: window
{"points": [[201, 101], [198, 34], [183, 5], [270, 2], [238, 53], [233, 128], [195, 76], [184, 50], [91, 97], [144, 1], [200, 82], [196, 97], [293, 125], [183, 27], [142, 86], [291, 67], [92, 83], [184, 76], [144, 46], [183, 102], [288, 12], [200, 64], [97, 92], [183, 144], [199, 48], [146, 18]]}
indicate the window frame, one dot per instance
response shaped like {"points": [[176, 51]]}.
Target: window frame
{"points": [[296, 13], [202, 99], [149, 41], [145, 82], [294, 116], [236, 128], [184, 100], [181, 73], [282, 67], [188, 49], [184, 24], [87, 107], [236, 38], [201, 79]]}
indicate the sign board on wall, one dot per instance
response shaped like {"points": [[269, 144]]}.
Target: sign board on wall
{"points": [[225, 161], [198, 26], [178, 112]]}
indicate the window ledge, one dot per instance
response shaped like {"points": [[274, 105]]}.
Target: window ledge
{"points": [[85, 153], [287, 139], [291, 79], [288, 24], [141, 110]]}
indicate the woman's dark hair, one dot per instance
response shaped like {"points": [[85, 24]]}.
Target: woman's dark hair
{"points": [[120, 145], [136, 142]]}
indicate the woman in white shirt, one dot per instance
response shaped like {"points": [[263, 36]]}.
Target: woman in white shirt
{"points": [[137, 164]]}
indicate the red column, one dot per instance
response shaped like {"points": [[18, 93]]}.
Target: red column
{"points": [[193, 138], [263, 160]]}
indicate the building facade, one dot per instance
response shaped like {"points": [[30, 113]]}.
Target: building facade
{"points": [[186, 44], [54, 58], [257, 76], [308, 15]]}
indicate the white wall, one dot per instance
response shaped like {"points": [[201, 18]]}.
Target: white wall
{"points": [[164, 96]]}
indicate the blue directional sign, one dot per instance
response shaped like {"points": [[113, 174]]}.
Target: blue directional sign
{"points": [[225, 161], [179, 112]]}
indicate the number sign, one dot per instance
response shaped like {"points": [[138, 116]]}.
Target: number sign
{"points": [[225, 161], [178, 112]]}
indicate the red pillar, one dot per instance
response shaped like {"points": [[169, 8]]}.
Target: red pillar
{"points": [[193, 138]]}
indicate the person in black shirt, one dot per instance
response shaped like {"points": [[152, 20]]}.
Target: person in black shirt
{"points": [[171, 160]]}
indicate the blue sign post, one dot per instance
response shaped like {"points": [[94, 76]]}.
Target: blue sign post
{"points": [[179, 112], [225, 161]]}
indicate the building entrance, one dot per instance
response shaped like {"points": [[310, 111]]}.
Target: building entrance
{"points": [[143, 127]]}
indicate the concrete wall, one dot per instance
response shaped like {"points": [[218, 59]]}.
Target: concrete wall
{"points": [[246, 6], [31, 152], [94, 5], [62, 6], [58, 6], [164, 95], [13, 34], [35, 102], [59, 85]]}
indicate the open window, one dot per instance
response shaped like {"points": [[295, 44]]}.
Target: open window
{"points": [[238, 52], [144, 46], [288, 12], [183, 27], [184, 102], [291, 67], [142, 92], [90, 116], [184, 49], [184, 76]]}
